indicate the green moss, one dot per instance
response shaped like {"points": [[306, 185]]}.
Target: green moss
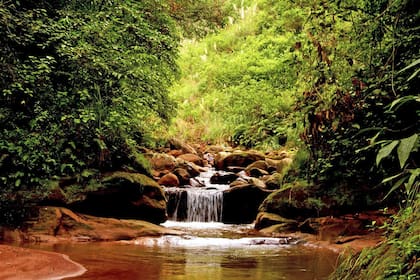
{"points": [[136, 178]]}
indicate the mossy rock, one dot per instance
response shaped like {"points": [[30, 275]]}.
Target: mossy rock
{"points": [[259, 164], [161, 162], [295, 202], [274, 181], [123, 195], [238, 158], [240, 203], [265, 220]]}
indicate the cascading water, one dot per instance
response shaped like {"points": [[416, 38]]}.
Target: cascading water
{"points": [[201, 203]]}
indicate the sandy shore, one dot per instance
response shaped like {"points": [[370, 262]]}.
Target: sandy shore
{"points": [[27, 264]]}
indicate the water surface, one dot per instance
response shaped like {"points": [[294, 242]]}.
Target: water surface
{"points": [[207, 251]]}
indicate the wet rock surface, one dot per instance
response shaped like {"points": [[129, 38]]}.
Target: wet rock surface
{"points": [[241, 203], [53, 224]]}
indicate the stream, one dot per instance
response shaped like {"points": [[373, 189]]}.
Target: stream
{"points": [[208, 249], [236, 257]]}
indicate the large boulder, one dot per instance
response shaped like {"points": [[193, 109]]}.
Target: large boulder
{"points": [[192, 158], [237, 158], [240, 203], [169, 180], [162, 162], [296, 202], [123, 195], [192, 168], [183, 175], [265, 220]]}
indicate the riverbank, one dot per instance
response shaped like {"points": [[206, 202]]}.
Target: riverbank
{"points": [[21, 263]]}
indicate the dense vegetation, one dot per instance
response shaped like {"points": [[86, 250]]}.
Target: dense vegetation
{"points": [[82, 83]]}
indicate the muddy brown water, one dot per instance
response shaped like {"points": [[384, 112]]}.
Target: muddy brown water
{"points": [[212, 256]]}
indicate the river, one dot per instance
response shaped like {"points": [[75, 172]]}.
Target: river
{"points": [[209, 251]]}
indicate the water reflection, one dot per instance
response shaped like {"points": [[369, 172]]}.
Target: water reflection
{"points": [[128, 261]]}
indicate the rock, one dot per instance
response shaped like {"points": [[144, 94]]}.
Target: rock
{"points": [[297, 202], [240, 203], [180, 145], [123, 195], [277, 155], [274, 181], [24, 263], [310, 225], [276, 230], [256, 172], [279, 165], [219, 160], [162, 162], [175, 153], [332, 228], [238, 182], [214, 149], [192, 158], [169, 180], [237, 158], [183, 175], [223, 178], [259, 164], [235, 169], [195, 183], [257, 182], [192, 168], [52, 224], [265, 219]]}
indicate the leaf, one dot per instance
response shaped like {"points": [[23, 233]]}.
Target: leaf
{"points": [[396, 185], [414, 63], [385, 151], [405, 148], [413, 75], [386, 180]]}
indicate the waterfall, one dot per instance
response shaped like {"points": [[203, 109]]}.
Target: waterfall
{"points": [[204, 205], [197, 204]]}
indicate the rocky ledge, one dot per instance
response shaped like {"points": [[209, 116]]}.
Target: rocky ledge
{"points": [[21, 263], [54, 224]]}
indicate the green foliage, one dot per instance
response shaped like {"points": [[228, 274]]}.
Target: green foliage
{"points": [[81, 83], [198, 18], [237, 85], [354, 76]]}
